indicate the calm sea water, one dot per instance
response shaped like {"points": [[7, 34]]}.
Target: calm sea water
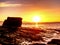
{"points": [[48, 25]]}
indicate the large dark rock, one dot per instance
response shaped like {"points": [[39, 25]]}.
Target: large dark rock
{"points": [[10, 25], [12, 22], [54, 42], [38, 44]]}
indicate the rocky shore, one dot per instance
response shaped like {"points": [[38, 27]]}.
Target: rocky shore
{"points": [[11, 33]]}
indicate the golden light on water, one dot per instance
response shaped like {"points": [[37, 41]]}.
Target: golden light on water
{"points": [[36, 19]]}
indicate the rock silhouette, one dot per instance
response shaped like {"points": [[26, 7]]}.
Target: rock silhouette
{"points": [[8, 28], [54, 42], [12, 22], [38, 44]]}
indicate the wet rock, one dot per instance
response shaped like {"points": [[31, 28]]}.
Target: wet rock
{"points": [[55, 41], [38, 44]]}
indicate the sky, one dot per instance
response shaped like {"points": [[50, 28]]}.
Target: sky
{"points": [[47, 10]]}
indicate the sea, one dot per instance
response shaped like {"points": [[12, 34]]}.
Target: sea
{"points": [[52, 30], [43, 25]]}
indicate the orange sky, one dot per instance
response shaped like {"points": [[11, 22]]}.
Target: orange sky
{"points": [[47, 10]]}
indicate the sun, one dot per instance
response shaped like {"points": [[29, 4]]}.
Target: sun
{"points": [[36, 19]]}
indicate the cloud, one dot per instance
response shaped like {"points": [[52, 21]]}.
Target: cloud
{"points": [[20, 1], [5, 4], [36, 3]]}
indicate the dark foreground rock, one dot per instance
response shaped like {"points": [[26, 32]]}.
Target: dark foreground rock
{"points": [[37, 44], [17, 37], [54, 42], [10, 25]]}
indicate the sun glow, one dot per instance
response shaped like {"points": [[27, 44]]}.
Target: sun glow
{"points": [[36, 19]]}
